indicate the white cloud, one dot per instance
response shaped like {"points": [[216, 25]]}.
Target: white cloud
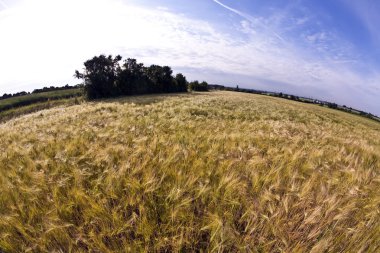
{"points": [[319, 36], [301, 21], [163, 8], [246, 27]]}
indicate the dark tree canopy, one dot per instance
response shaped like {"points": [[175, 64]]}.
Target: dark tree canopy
{"points": [[100, 76], [104, 77], [132, 78], [196, 86], [181, 82]]}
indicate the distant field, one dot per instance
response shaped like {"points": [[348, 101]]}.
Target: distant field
{"points": [[201, 172], [14, 102]]}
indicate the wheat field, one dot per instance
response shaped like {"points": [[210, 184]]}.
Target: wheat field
{"points": [[200, 172]]}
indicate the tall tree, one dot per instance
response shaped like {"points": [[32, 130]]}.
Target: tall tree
{"points": [[100, 76], [181, 83], [132, 78], [161, 78]]}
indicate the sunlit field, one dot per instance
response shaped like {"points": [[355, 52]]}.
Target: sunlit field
{"points": [[29, 99], [16, 106], [208, 172]]}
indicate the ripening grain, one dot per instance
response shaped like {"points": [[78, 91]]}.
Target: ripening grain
{"points": [[219, 172]]}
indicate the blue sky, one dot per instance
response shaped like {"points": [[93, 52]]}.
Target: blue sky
{"points": [[325, 49]]}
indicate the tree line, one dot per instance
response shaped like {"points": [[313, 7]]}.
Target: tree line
{"points": [[104, 76], [44, 89], [52, 88]]}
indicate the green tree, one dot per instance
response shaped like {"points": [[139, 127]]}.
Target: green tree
{"points": [[161, 78], [196, 86], [100, 76], [104, 77], [132, 78], [181, 82]]}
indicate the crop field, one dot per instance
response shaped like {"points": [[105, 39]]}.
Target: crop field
{"points": [[200, 172], [14, 102], [38, 106]]}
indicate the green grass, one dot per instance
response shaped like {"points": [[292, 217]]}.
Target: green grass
{"points": [[214, 172], [14, 102]]}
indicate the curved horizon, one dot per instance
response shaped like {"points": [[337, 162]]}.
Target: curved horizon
{"points": [[315, 49]]}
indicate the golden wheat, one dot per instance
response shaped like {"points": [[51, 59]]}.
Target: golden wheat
{"points": [[211, 172]]}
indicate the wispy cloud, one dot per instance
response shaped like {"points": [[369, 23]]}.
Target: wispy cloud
{"points": [[368, 12], [232, 9], [251, 19], [4, 4]]}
